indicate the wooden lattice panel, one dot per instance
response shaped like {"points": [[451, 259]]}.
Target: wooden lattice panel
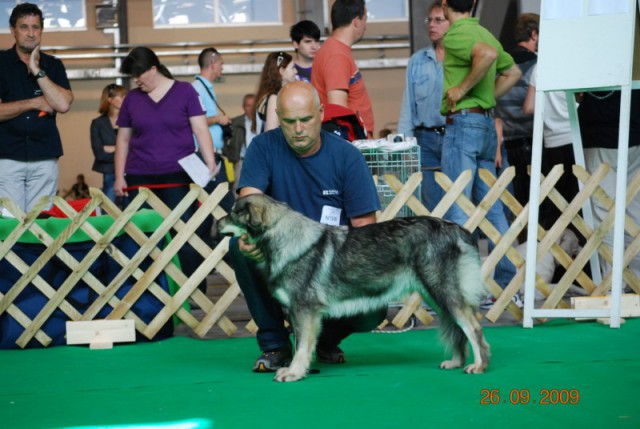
{"points": [[154, 256]]}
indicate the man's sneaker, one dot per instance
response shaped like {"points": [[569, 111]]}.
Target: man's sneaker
{"points": [[517, 300], [487, 303], [273, 360], [334, 355]]}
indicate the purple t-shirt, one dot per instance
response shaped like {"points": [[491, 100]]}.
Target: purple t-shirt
{"points": [[161, 132]]}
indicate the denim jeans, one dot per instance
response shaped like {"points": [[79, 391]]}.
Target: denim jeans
{"points": [[430, 143], [268, 314], [470, 144], [108, 179]]}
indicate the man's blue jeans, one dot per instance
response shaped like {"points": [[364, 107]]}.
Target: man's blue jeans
{"points": [[430, 143], [470, 144]]}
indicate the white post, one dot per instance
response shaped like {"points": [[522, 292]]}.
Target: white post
{"points": [[534, 208], [620, 205]]}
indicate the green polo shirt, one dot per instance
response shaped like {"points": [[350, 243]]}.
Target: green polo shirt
{"points": [[458, 44]]}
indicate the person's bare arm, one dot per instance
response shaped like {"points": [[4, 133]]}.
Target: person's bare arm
{"points": [[482, 57], [338, 96], [529, 105], [13, 109], [366, 219], [499, 133], [271, 121], [506, 80], [203, 137], [218, 119], [120, 159], [248, 190], [59, 98]]}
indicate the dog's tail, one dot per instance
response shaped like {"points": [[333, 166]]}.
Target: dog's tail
{"points": [[472, 288]]}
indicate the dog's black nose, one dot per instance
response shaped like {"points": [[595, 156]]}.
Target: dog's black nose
{"points": [[221, 224]]}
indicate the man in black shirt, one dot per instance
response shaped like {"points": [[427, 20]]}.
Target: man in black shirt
{"points": [[33, 88]]}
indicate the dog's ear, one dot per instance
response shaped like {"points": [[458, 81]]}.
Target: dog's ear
{"points": [[257, 215]]}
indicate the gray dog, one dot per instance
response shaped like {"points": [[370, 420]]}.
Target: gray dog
{"points": [[317, 270]]}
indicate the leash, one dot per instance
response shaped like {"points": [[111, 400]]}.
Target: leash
{"points": [[398, 331], [159, 186]]}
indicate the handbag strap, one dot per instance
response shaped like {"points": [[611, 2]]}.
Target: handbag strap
{"points": [[210, 94]]}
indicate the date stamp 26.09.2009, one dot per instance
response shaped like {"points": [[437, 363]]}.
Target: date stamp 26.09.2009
{"points": [[526, 396]]}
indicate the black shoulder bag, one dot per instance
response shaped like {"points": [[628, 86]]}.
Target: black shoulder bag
{"points": [[227, 131]]}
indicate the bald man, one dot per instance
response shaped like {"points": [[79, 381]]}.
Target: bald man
{"points": [[321, 176]]}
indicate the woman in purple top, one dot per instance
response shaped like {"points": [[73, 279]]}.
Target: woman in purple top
{"points": [[157, 122]]}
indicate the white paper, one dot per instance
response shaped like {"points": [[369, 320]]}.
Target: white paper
{"points": [[608, 7], [562, 9], [197, 170]]}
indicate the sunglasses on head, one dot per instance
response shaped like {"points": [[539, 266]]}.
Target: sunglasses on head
{"points": [[110, 89]]}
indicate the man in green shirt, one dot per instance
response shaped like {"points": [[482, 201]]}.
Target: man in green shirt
{"points": [[477, 70]]}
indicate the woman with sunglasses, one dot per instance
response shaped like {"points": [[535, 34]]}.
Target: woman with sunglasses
{"points": [[103, 136], [278, 71]]}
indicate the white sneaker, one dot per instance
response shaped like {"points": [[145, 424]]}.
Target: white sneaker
{"points": [[517, 300]]}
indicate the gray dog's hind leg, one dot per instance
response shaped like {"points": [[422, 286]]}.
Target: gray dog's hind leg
{"points": [[467, 321]]}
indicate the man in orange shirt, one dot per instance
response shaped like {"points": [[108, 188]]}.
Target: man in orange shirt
{"points": [[335, 74]]}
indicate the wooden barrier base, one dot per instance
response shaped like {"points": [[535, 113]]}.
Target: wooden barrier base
{"points": [[629, 304], [100, 334]]}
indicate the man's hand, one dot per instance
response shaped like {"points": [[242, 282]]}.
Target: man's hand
{"points": [[250, 251], [223, 120], [43, 105], [454, 95], [34, 61]]}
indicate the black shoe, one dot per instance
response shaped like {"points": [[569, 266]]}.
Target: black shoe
{"points": [[332, 355], [273, 360]]}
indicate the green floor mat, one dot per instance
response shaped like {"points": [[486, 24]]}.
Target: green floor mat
{"points": [[389, 381]]}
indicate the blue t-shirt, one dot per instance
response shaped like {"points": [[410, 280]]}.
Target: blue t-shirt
{"points": [[331, 186], [208, 97]]}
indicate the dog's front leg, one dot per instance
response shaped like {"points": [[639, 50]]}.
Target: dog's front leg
{"points": [[306, 327]]}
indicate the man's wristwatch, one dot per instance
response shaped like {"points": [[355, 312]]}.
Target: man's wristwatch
{"points": [[40, 74]]}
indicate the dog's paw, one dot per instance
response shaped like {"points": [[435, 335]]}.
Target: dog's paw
{"points": [[285, 374], [450, 364], [474, 368]]}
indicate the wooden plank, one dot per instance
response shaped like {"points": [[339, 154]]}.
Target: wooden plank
{"points": [[100, 332], [404, 194], [185, 291], [629, 304], [454, 191], [410, 305]]}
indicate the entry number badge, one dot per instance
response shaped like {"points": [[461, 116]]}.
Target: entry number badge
{"points": [[330, 215]]}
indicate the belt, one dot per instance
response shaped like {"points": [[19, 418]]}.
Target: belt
{"points": [[438, 130], [488, 113]]}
